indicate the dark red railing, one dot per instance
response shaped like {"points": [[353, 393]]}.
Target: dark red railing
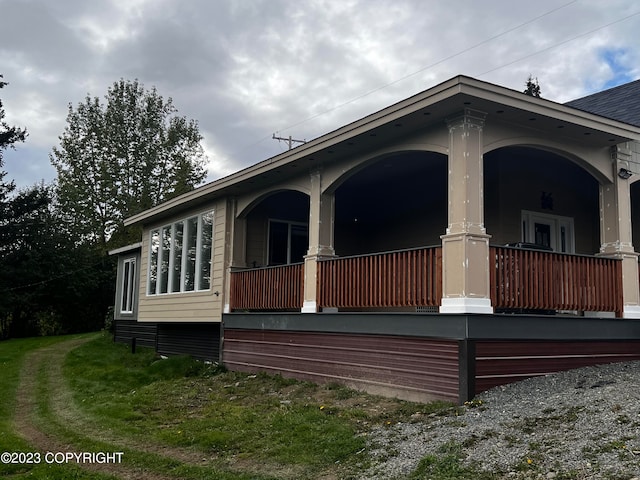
{"points": [[405, 278], [532, 279], [269, 288], [520, 280]]}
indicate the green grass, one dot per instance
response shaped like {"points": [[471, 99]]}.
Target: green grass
{"points": [[184, 403], [179, 418], [12, 354]]}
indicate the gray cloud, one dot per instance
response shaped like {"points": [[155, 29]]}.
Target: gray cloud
{"points": [[246, 69]]}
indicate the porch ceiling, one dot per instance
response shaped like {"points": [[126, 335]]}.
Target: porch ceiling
{"points": [[417, 113]]}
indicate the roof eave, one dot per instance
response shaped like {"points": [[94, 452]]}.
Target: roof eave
{"points": [[457, 85], [127, 248]]}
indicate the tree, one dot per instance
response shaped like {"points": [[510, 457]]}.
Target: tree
{"points": [[123, 157], [49, 282], [532, 87], [9, 136]]}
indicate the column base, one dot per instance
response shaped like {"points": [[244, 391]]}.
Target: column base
{"points": [[309, 307], [466, 305], [631, 311]]}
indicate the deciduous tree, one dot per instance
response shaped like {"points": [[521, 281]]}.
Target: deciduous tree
{"points": [[121, 157]]}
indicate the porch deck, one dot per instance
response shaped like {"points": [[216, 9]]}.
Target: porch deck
{"points": [[522, 281]]}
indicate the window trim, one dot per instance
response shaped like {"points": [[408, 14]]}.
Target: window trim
{"points": [[171, 263], [127, 295], [563, 229], [289, 223]]}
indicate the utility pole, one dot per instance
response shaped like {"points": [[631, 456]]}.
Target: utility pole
{"points": [[289, 140]]}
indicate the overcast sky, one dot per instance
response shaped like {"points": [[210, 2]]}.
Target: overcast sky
{"points": [[245, 69]]}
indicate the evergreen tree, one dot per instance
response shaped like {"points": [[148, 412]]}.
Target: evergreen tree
{"points": [[9, 136], [532, 87]]}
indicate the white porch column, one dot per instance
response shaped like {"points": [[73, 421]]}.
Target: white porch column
{"points": [[321, 219], [615, 230], [235, 246], [465, 246]]}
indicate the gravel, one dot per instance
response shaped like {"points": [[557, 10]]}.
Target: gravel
{"points": [[580, 424]]}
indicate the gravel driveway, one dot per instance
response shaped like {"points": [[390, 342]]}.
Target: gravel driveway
{"points": [[580, 424]]}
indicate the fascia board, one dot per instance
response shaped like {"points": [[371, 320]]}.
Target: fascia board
{"points": [[548, 108], [126, 248], [443, 91], [370, 122]]}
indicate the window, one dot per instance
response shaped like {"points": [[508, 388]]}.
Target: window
{"points": [[128, 285], [551, 231], [288, 242], [180, 256]]}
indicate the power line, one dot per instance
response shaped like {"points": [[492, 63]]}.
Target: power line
{"points": [[290, 141], [556, 45], [461, 52], [52, 279], [466, 50]]}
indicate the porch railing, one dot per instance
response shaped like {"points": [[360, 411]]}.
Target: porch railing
{"points": [[405, 278], [531, 279], [268, 288]]}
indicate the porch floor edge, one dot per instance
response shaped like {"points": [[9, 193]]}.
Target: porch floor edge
{"points": [[449, 326]]}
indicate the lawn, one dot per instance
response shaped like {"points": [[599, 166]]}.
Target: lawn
{"points": [[12, 356], [179, 418]]}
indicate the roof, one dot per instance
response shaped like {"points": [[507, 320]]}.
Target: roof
{"points": [[620, 103], [423, 110], [126, 249]]}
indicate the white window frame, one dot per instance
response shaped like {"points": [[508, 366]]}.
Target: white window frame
{"points": [[562, 229], [171, 227], [289, 225], [128, 286]]}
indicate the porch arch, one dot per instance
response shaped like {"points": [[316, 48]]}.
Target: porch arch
{"points": [[249, 202], [290, 210], [391, 201], [334, 178], [598, 167]]}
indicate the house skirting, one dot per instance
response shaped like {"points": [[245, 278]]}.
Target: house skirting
{"points": [[199, 340], [144, 333], [422, 357]]}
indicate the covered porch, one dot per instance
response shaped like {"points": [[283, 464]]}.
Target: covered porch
{"points": [[551, 237]]}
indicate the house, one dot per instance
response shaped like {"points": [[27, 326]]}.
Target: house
{"points": [[465, 237]]}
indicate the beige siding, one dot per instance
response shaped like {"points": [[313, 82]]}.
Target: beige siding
{"points": [[203, 306], [257, 240]]}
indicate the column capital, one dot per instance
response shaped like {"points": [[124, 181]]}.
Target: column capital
{"points": [[621, 152], [468, 117], [315, 171], [622, 160]]}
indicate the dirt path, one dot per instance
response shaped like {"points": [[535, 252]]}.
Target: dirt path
{"points": [[43, 369]]}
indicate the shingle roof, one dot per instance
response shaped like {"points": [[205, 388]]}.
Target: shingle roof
{"points": [[620, 103]]}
